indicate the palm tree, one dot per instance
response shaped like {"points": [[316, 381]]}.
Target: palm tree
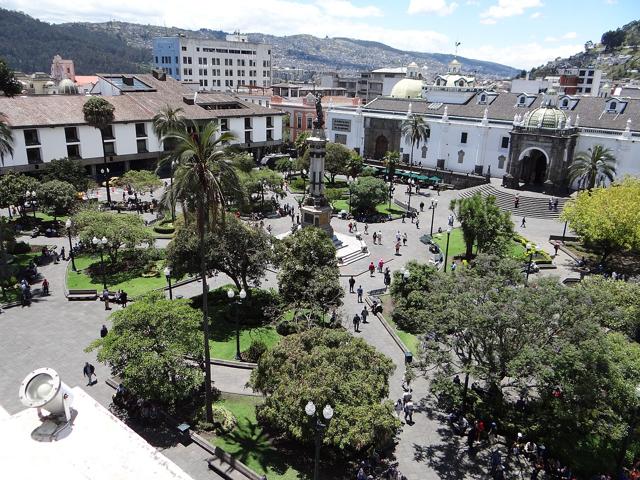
{"points": [[415, 130], [201, 174], [596, 163], [6, 140], [168, 119], [391, 160], [98, 113]]}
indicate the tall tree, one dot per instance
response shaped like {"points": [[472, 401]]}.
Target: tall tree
{"points": [[391, 160], [168, 119], [202, 170], [367, 193], [59, 197], [415, 130], [68, 170], [9, 86], [355, 164], [336, 160], [139, 180], [6, 139], [13, 187], [98, 113], [593, 166], [483, 223]]}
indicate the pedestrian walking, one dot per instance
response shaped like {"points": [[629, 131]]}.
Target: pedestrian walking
{"points": [[556, 247], [360, 292], [298, 218], [123, 299], [408, 412], [450, 220], [403, 217], [103, 331], [364, 314], [355, 226], [379, 237], [366, 229], [398, 407], [398, 236], [350, 227], [398, 248], [356, 323], [372, 269], [516, 200], [555, 205], [524, 223], [62, 254], [422, 206], [550, 204], [404, 239], [380, 265], [417, 223], [352, 282], [89, 371], [375, 238], [105, 299], [45, 287], [453, 266], [387, 279]]}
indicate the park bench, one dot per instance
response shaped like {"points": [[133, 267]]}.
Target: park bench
{"points": [[82, 294]]}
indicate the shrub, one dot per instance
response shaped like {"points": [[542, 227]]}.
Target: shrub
{"points": [[164, 227], [223, 420], [255, 351], [286, 327], [20, 247], [258, 309], [298, 184]]}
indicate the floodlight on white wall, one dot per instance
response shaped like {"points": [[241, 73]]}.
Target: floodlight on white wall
{"points": [[43, 389]]}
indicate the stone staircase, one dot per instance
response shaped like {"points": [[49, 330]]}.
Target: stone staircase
{"points": [[529, 206]]}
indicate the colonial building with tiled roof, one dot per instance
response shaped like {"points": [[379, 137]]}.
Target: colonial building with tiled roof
{"points": [[47, 127]]}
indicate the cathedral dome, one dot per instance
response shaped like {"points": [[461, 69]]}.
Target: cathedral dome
{"points": [[546, 117], [407, 88], [67, 87]]}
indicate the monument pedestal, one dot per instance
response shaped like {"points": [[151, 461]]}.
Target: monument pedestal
{"points": [[317, 215]]}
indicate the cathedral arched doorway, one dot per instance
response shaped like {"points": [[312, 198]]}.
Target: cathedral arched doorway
{"points": [[533, 165], [382, 147]]}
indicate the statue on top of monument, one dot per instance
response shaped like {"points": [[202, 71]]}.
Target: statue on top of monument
{"points": [[318, 123]]}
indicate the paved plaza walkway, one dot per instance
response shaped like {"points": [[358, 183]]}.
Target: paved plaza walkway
{"points": [[53, 332]]}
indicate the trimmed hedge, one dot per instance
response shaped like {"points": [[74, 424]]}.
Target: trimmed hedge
{"points": [[165, 227]]}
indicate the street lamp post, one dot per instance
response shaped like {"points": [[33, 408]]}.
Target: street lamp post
{"points": [[262, 185], [434, 204], [532, 251], [68, 224], [350, 184], [32, 195], [446, 251], [105, 171], [231, 294], [411, 184], [390, 193], [167, 274], [327, 413], [101, 243], [564, 231], [174, 164]]}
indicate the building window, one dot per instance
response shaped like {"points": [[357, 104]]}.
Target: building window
{"points": [[587, 90], [224, 124], [483, 98], [463, 137], [247, 123], [73, 152], [31, 137], [309, 122], [109, 148], [501, 160], [340, 138], [589, 81], [582, 73], [33, 156], [341, 125], [184, 49], [107, 132], [142, 146], [460, 156], [247, 137], [269, 135], [141, 131], [521, 101], [565, 103], [505, 142], [269, 122], [299, 121], [423, 153], [71, 134]]}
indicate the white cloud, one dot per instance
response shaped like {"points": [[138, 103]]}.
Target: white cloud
{"points": [[525, 55], [439, 7], [566, 36], [570, 35], [535, 15], [509, 8], [345, 8], [473, 3], [277, 17]]}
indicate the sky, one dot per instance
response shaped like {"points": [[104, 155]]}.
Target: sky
{"points": [[519, 33]]}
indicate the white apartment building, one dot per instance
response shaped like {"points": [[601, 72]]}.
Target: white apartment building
{"points": [[47, 127], [218, 65]]}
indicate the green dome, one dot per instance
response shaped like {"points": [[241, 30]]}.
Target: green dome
{"points": [[407, 88], [549, 116]]}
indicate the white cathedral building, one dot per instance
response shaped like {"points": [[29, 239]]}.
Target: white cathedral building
{"points": [[522, 138]]}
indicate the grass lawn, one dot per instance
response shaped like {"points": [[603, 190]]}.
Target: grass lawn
{"points": [[12, 294], [133, 286], [223, 337], [410, 340], [381, 208], [249, 444], [45, 217]]}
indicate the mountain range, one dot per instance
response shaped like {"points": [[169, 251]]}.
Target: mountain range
{"points": [[28, 45]]}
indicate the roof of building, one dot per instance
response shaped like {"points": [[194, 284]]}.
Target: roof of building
{"points": [[401, 70], [52, 110], [504, 107], [407, 88], [452, 79], [546, 117]]}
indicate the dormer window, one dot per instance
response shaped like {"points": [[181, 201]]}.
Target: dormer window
{"points": [[613, 106], [565, 103], [461, 83], [521, 100]]}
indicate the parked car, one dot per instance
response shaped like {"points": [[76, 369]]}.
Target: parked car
{"points": [[271, 159]]}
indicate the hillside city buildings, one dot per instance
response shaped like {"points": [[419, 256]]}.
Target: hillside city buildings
{"points": [[214, 64]]}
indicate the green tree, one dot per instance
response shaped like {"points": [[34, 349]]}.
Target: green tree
{"points": [[607, 219], [260, 182], [70, 171], [484, 224], [415, 130], [122, 231], [9, 86], [139, 180], [148, 348], [6, 138], [59, 197], [241, 252], [98, 113], [329, 367], [308, 275], [167, 120], [336, 160], [612, 39], [7, 267], [13, 187], [594, 165], [301, 143], [202, 170], [284, 165], [366, 193], [355, 165], [244, 162]]}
